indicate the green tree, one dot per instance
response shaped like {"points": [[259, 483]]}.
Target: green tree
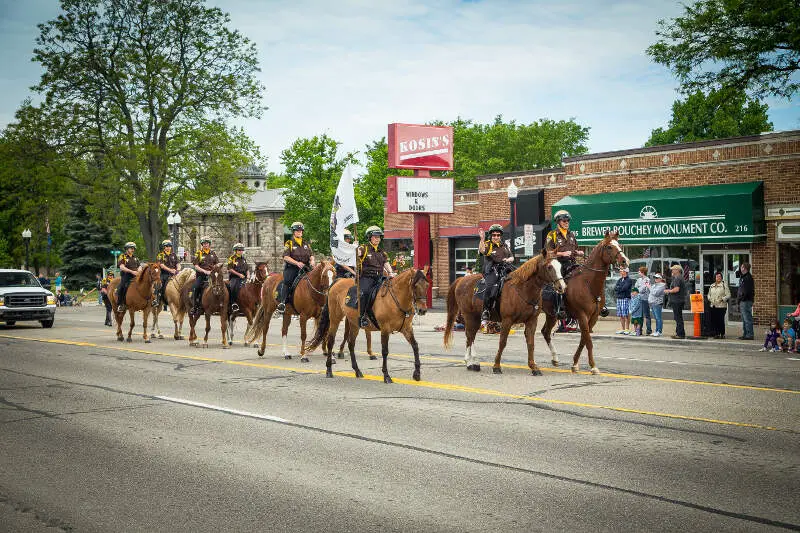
{"points": [[371, 187], [717, 115], [134, 83], [751, 45], [313, 168], [87, 248]]}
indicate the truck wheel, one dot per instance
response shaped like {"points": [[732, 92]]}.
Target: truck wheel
{"points": [[10, 322], [47, 323]]}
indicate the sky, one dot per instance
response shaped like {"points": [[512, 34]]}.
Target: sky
{"points": [[348, 68]]}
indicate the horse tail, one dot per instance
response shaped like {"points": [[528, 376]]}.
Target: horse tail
{"points": [[257, 327], [323, 326], [452, 313]]}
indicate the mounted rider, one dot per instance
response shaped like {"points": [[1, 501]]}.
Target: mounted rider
{"points": [[497, 256], [372, 262], [345, 271], [170, 265], [297, 255], [204, 260], [237, 274], [129, 267], [563, 243]]}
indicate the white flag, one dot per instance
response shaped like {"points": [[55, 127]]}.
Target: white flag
{"points": [[343, 214]]}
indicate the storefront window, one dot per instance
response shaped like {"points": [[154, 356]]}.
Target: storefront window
{"points": [[788, 274], [464, 258]]}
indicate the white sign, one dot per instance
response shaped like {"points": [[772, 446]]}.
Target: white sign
{"points": [[181, 251], [530, 239], [424, 195]]}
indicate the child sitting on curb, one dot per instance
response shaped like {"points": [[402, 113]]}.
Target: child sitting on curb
{"points": [[636, 312], [772, 339], [789, 338]]}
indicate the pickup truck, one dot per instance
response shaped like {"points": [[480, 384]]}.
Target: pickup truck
{"points": [[23, 298]]}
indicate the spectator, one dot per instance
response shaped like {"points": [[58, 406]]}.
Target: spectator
{"points": [[772, 338], [656, 302], [98, 282], [468, 272], [104, 290], [636, 311], [59, 281], [718, 296], [623, 292], [44, 282], [789, 338], [794, 317], [677, 297], [747, 292], [643, 285]]}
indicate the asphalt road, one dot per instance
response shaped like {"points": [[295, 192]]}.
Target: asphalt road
{"points": [[99, 435]]}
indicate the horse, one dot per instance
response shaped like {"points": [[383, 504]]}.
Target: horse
{"points": [[249, 298], [172, 293], [367, 335], [308, 300], [138, 298], [214, 302], [585, 296], [398, 300], [520, 302]]}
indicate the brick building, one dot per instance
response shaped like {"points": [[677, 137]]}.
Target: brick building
{"points": [[745, 189]]}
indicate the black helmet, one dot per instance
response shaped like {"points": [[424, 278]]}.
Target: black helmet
{"points": [[562, 215], [298, 226], [165, 243], [374, 230], [496, 228]]}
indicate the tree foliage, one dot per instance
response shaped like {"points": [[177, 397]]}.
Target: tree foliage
{"points": [[140, 90], [751, 45], [87, 247], [717, 115]]}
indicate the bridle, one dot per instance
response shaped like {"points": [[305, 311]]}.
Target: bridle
{"points": [[414, 298], [324, 291]]}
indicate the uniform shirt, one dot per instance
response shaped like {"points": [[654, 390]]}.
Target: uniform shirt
{"points": [[105, 282], [206, 261], [130, 262], [297, 250], [168, 260], [371, 259], [558, 242], [239, 264], [495, 253]]}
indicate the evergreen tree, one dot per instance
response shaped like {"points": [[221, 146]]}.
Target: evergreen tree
{"points": [[86, 249]]}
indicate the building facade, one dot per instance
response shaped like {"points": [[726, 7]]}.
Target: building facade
{"points": [[708, 206]]}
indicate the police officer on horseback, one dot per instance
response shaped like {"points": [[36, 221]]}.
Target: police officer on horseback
{"points": [[345, 271], [170, 265], [204, 260], [497, 257], [297, 255], [237, 274], [563, 243], [372, 261], [129, 266]]}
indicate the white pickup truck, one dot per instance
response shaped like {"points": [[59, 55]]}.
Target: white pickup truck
{"points": [[23, 298]]}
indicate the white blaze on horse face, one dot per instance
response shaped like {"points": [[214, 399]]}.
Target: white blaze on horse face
{"points": [[556, 264], [330, 278], [616, 245]]}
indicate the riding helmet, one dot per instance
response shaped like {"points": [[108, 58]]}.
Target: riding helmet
{"points": [[374, 230], [130, 244], [165, 243], [562, 215], [348, 237], [298, 226], [496, 228], [205, 239], [238, 246]]}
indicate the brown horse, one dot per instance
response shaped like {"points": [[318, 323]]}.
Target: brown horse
{"points": [[520, 302], [214, 302], [249, 298], [394, 308], [138, 298], [172, 294], [585, 296], [309, 297]]}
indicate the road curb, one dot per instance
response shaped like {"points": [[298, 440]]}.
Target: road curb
{"points": [[743, 346]]}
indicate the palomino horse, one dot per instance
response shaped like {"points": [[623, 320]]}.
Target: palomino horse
{"points": [[585, 296], [138, 298], [308, 299], [249, 298], [172, 293], [519, 303], [394, 308], [214, 302]]}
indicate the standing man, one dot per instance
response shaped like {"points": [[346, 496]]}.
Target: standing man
{"points": [[747, 293], [237, 274], [372, 262], [98, 284], [104, 283], [297, 254], [677, 297], [563, 243], [170, 266], [496, 254], [204, 260], [129, 266]]}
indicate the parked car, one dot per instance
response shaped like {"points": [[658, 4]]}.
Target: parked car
{"points": [[23, 298]]}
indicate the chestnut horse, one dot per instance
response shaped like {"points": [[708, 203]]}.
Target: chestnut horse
{"points": [[138, 298], [249, 298], [397, 302], [520, 302], [309, 297], [172, 293], [214, 302], [585, 296]]}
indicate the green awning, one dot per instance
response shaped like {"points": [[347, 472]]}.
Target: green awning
{"points": [[730, 213]]}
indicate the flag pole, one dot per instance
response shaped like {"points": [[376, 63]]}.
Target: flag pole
{"points": [[358, 275]]}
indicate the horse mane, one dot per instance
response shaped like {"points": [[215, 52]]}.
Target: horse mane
{"points": [[140, 275], [527, 269], [182, 277], [407, 273], [599, 246]]}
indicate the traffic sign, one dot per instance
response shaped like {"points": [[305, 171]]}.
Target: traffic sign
{"points": [[115, 252]]}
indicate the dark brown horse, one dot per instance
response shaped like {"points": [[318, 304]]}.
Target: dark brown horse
{"points": [[585, 296], [395, 305], [214, 302], [520, 302], [138, 298], [309, 297], [249, 298]]}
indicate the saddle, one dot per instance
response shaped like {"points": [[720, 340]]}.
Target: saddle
{"points": [[481, 292], [351, 300], [290, 296]]}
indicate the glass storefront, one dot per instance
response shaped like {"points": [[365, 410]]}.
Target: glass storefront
{"points": [[788, 267]]}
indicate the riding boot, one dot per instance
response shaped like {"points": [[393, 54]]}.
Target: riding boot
{"points": [[559, 307], [486, 313], [121, 307], [108, 317]]}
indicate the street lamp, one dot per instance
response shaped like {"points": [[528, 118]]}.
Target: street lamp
{"points": [[512, 191], [26, 236], [174, 222]]}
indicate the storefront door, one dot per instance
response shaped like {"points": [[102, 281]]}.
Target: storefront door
{"points": [[727, 262]]}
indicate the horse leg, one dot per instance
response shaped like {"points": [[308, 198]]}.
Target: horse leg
{"points": [[408, 333], [287, 319], [144, 325], [589, 345], [223, 322], [130, 331], [208, 328], [156, 327], [351, 345], [547, 333], [505, 328], [303, 357], [385, 354], [583, 323], [471, 328], [368, 335], [530, 333], [267, 319], [119, 317]]}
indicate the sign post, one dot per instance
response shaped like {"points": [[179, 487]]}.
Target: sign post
{"points": [[696, 300], [528, 228]]}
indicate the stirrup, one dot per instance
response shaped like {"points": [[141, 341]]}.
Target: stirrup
{"points": [[121, 308], [363, 322], [234, 308], [485, 315], [281, 307], [562, 314]]}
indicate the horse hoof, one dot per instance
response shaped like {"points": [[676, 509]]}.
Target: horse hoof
{"points": [[359, 374], [160, 336], [416, 375], [340, 355], [305, 360], [225, 347], [121, 339], [536, 372], [205, 345], [287, 356], [261, 353], [574, 368], [246, 345], [595, 371], [148, 341], [373, 357], [387, 379], [497, 370], [129, 339], [181, 337], [555, 362]]}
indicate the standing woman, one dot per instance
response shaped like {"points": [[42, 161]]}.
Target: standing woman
{"points": [[643, 285], [623, 293], [656, 302], [718, 296], [677, 297]]}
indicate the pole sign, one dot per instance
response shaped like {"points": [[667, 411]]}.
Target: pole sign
{"points": [[529, 240], [420, 147], [412, 194]]}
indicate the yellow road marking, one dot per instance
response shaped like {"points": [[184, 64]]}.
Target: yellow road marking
{"points": [[425, 384]]}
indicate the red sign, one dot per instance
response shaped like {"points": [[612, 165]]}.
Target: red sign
{"points": [[420, 147]]}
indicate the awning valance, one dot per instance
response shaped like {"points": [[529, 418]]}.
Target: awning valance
{"points": [[729, 213]]}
